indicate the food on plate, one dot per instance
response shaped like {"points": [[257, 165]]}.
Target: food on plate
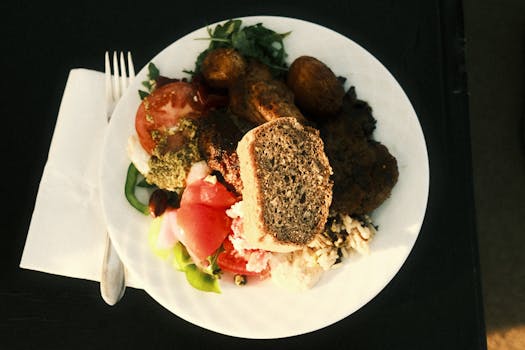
{"points": [[287, 189], [181, 259], [166, 128], [129, 190], [158, 117], [302, 269], [222, 67], [217, 143], [252, 42], [317, 90], [364, 170], [259, 97], [241, 182]]}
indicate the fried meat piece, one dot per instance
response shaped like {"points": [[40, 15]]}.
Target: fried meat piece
{"points": [[364, 170], [218, 138], [259, 97]]}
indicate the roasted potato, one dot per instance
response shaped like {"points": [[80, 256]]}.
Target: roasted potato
{"points": [[317, 90], [222, 67], [258, 71]]}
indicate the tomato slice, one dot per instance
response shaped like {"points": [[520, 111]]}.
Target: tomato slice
{"points": [[161, 111], [203, 228], [229, 260], [203, 192]]}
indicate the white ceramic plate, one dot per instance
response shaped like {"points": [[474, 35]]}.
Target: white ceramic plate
{"points": [[263, 310]]}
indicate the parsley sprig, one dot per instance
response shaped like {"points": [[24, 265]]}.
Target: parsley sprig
{"points": [[254, 41]]}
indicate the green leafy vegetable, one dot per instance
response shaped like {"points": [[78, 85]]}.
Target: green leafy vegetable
{"points": [[129, 190], [150, 84], [254, 41], [153, 71]]}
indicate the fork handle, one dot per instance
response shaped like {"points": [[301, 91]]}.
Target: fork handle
{"points": [[112, 281]]}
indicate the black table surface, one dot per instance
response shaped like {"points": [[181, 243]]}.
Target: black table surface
{"points": [[434, 302]]}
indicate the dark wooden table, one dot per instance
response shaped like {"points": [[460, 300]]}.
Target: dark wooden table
{"points": [[434, 302]]}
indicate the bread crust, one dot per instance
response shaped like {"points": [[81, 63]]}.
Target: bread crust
{"points": [[309, 189]]}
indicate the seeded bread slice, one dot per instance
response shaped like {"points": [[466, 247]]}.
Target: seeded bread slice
{"points": [[287, 189]]}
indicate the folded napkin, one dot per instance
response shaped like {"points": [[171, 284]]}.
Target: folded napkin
{"points": [[67, 231]]}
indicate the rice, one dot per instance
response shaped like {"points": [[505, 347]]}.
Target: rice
{"points": [[301, 269], [343, 236]]}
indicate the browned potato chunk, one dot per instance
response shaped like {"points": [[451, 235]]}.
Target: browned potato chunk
{"points": [[221, 67], [316, 88]]}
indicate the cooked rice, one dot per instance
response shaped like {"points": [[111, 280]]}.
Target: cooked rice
{"points": [[342, 237]]}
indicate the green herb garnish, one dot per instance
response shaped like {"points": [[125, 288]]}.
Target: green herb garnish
{"points": [[151, 82], [254, 41]]}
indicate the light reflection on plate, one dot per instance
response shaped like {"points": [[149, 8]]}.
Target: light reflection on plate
{"points": [[262, 310]]}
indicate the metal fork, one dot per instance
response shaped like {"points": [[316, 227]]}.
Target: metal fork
{"points": [[113, 277]]}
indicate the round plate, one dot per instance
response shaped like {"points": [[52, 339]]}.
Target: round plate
{"points": [[263, 310]]}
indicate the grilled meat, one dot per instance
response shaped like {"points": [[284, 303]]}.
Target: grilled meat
{"points": [[259, 97], [364, 170], [218, 138]]}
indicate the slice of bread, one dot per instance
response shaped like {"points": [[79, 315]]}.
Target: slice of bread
{"points": [[287, 189]]}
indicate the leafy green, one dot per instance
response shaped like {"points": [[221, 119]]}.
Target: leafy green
{"points": [[255, 41], [153, 71], [143, 94], [151, 82]]}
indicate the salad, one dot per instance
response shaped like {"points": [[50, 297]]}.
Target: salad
{"points": [[184, 154]]}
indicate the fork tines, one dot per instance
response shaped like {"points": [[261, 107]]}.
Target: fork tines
{"points": [[118, 80]]}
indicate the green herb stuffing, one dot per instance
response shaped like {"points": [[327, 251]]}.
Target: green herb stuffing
{"points": [[254, 41], [169, 169]]}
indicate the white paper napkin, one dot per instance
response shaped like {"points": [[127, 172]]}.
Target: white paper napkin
{"points": [[67, 231]]}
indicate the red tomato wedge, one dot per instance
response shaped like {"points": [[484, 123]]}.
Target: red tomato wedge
{"points": [[203, 228], [206, 193], [162, 111], [229, 260]]}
